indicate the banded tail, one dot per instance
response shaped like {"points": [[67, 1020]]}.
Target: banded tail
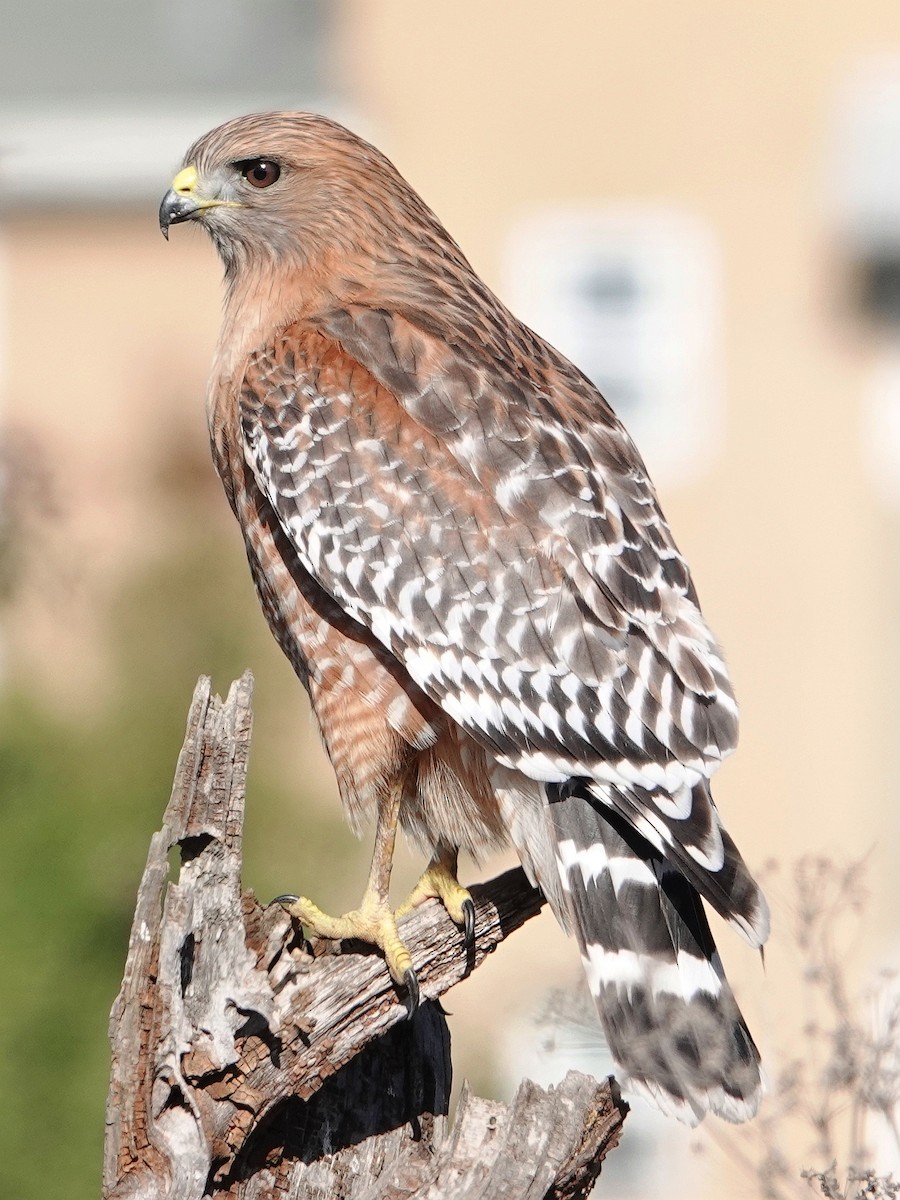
{"points": [[669, 1015]]}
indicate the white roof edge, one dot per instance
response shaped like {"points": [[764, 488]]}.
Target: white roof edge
{"points": [[82, 155]]}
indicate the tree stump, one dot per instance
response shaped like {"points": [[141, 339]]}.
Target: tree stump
{"points": [[244, 1065]]}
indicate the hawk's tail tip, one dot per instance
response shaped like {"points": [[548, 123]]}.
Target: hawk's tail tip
{"points": [[688, 1052], [691, 1109]]}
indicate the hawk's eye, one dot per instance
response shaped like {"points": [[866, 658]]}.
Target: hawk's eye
{"points": [[260, 172]]}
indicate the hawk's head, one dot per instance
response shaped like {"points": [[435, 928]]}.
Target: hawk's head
{"points": [[287, 189]]}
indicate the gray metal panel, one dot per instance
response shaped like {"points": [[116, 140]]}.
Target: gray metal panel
{"points": [[81, 50]]}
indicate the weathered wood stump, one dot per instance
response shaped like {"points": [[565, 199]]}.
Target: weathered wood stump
{"points": [[244, 1065]]}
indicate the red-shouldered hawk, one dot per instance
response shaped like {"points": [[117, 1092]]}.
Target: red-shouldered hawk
{"points": [[457, 546]]}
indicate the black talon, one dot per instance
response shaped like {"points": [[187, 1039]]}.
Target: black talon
{"points": [[287, 899], [468, 908], [412, 992]]}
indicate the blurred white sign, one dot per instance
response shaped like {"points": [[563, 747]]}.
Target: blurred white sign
{"points": [[864, 191], [632, 297], [865, 161]]}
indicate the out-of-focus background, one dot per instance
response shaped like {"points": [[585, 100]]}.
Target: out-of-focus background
{"points": [[700, 203]]}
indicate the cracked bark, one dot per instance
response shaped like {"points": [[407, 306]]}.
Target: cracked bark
{"points": [[245, 1066]]}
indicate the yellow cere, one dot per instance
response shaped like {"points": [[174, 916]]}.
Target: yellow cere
{"points": [[185, 181]]}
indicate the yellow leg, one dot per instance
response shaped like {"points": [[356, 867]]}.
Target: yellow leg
{"points": [[439, 881], [373, 922]]}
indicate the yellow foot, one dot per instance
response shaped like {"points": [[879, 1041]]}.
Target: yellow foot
{"points": [[439, 882], [373, 922]]}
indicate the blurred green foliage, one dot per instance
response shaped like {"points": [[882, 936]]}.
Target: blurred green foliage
{"points": [[79, 801]]}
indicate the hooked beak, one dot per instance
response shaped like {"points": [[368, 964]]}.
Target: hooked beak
{"points": [[183, 201]]}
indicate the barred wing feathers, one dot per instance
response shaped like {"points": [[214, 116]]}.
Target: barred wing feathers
{"points": [[495, 529], [410, 510]]}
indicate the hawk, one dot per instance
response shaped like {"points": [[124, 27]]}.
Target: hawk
{"points": [[457, 545]]}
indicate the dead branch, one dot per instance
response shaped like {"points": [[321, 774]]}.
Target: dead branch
{"points": [[246, 1066]]}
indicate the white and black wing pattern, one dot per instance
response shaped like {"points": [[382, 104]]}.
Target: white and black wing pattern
{"points": [[628, 674], [482, 513], [479, 603]]}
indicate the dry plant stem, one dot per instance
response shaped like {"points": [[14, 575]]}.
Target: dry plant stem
{"points": [[245, 1066], [844, 1069]]}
